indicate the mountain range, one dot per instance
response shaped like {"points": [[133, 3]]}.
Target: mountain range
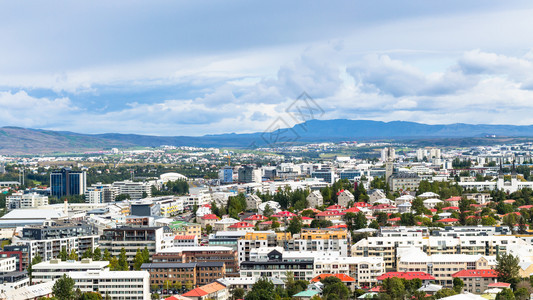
{"points": [[16, 140]]}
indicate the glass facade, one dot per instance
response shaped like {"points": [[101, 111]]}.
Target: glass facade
{"points": [[66, 182]]}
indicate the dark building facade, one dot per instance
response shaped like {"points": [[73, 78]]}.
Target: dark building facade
{"points": [[66, 182]]}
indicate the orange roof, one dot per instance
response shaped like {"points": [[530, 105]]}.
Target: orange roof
{"points": [[184, 237], [338, 226], [448, 220], [342, 277], [455, 198], [205, 290]]}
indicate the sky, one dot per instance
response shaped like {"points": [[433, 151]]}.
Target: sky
{"points": [[210, 67]]}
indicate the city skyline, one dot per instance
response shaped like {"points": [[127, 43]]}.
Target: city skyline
{"points": [[178, 68]]}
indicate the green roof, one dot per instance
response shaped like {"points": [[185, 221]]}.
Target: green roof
{"points": [[306, 294]]}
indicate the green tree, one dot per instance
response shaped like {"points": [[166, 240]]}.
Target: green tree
{"points": [[394, 287], [113, 264], [507, 267], [146, 255], [407, 219], [122, 197], [123, 260], [505, 294], [444, 293], [458, 285], [262, 289], [63, 289], [138, 260], [87, 254], [334, 289], [73, 255], [97, 254], [237, 293], [90, 296], [295, 225], [63, 254], [107, 255]]}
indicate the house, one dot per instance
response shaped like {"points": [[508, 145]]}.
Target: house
{"points": [[330, 215], [477, 281], [453, 201], [253, 219], [345, 197], [404, 207], [241, 226], [315, 199], [448, 221], [222, 225], [375, 194], [252, 202], [208, 219], [215, 291], [347, 280], [431, 203]]}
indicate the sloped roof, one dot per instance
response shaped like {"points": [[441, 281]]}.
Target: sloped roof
{"points": [[342, 277], [488, 273], [406, 275]]}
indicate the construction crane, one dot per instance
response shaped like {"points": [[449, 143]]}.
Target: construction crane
{"points": [[229, 160]]}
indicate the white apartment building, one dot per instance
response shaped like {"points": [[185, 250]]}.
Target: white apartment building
{"points": [[118, 285], [21, 200], [8, 264], [134, 189], [51, 270], [345, 197]]}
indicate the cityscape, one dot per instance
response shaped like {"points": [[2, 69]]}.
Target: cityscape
{"points": [[246, 150]]}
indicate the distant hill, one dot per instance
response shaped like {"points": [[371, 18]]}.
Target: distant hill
{"points": [[20, 140]]}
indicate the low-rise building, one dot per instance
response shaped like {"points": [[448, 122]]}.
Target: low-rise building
{"points": [[477, 281], [51, 270], [134, 285]]}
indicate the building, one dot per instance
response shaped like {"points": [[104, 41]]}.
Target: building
{"points": [[20, 253], [345, 197], [215, 291], [49, 239], [247, 174], [252, 202], [20, 200], [424, 277], [186, 228], [225, 175], [226, 255], [477, 281], [315, 199], [117, 285], [66, 182], [51, 270], [196, 273], [131, 239], [327, 175], [404, 181], [277, 266], [136, 190], [101, 193]]}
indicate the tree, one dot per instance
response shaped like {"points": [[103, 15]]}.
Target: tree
{"points": [[505, 294], [188, 285], [63, 254], [394, 287], [261, 290], [87, 254], [458, 285], [90, 296], [73, 255], [97, 254], [444, 293], [407, 219], [122, 197], [138, 260], [295, 225], [237, 293], [154, 287], [177, 286], [107, 255], [123, 260], [334, 289], [113, 264], [507, 267], [63, 289], [37, 259], [146, 255], [418, 206]]}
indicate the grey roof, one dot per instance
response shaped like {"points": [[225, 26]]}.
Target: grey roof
{"points": [[33, 214]]}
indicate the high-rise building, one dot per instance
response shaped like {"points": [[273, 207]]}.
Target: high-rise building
{"points": [[225, 175], [66, 182]]}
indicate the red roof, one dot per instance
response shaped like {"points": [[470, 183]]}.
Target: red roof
{"points": [[509, 201], [362, 204], [286, 214], [330, 213], [499, 285], [455, 198], [210, 217], [448, 220], [312, 209], [184, 237], [306, 218], [525, 207], [488, 273], [207, 205], [256, 218], [352, 210], [336, 207], [342, 277], [241, 225], [433, 210], [406, 275], [375, 289], [451, 208], [395, 219]]}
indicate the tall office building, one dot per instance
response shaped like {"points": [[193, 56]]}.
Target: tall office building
{"points": [[66, 182]]}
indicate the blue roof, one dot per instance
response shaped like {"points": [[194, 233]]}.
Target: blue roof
{"points": [[306, 294]]}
